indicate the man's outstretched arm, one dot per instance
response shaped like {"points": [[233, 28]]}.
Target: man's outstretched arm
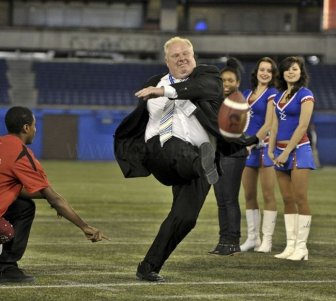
{"points": [[65, 210]]}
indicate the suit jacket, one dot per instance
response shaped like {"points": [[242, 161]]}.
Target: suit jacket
{"points": [[204, 88]]}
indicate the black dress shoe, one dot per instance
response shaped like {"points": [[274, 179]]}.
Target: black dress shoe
{"points": [[14, 274], [226, 250], [146, 272], [207, 153]]}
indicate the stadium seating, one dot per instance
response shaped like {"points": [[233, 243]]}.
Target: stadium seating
{"points": [[67, 83], [4, 84], [322, 83], [114, 84]]}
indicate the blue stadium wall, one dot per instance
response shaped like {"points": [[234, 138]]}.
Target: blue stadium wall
{"points": [[96, 128], [95, 132]]}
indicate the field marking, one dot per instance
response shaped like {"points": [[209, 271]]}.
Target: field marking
{"points": [[53, 218], [104, 242], [102, 285], [112, 219], [207, 296], [69, 264]]}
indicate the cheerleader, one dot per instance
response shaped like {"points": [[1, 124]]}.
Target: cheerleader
{"points": [[290, 150], [258, 164]]}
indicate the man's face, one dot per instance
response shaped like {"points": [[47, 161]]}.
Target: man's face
{"points": [[180, 59], [30, 131]]}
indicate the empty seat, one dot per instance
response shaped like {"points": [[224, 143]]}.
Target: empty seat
{"points": [[4, 84], [76, 83]]}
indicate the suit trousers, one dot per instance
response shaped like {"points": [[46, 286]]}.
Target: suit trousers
{"points": [[227, 196], [177, 163], [21, 215]]}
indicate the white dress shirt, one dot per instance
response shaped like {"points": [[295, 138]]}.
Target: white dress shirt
{"points": [[185, 125]]}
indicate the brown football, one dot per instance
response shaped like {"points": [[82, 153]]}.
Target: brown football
{"points": [[6, 231], [233, 116]]}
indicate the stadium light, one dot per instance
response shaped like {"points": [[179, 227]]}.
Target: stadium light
{"points": [[201, 25], [313, 59]]}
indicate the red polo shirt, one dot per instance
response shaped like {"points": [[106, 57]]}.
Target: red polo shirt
{"points": [[18, 168]]}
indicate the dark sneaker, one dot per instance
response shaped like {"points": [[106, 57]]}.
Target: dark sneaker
{"points": [[226, 250], [14, 274], [207, 154], [145, 272]]}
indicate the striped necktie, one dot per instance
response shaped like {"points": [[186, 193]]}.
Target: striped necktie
{"points": [[166, 122]]}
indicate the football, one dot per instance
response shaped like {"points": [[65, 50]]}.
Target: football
{"points": [[6, 231], [233, 116]]}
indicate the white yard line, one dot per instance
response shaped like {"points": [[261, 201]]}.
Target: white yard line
{"points": [[52, 219], [206, 296], [186, 242], [128, 284]]}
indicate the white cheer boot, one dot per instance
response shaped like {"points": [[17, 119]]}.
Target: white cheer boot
{"points": [[253, 226], [291, 232], [268, 226], [301, 251]]}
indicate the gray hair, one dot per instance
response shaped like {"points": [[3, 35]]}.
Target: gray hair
{"points": [[174, 40]]}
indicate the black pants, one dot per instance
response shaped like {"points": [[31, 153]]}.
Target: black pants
{"points": [[176, 164], [21, 215], [227, 196]]}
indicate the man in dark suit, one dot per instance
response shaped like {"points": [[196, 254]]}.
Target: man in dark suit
{"points": [[176, 149]]}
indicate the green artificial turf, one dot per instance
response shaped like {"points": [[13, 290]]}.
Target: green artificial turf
{"points": [[130, 211]]}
